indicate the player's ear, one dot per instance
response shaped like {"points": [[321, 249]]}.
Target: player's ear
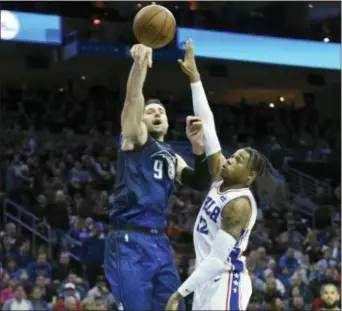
{"points": [[252, 175]]}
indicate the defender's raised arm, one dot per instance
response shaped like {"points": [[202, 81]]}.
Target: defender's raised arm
{"points": [[202, 110]]}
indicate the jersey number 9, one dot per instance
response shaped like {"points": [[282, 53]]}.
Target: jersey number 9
{"points": [[158, 169]]}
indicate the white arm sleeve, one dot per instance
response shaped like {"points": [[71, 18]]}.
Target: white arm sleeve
{"points": [[202, 110], [213, 265]]}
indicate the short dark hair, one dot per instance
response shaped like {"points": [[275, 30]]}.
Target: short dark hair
{"points": [[154, 101]]}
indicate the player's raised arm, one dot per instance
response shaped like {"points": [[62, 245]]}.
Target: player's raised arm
{"points": [[198, 177], [202, 110], [235, 218], [134, 131]]}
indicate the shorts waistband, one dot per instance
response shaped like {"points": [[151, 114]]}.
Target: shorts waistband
{"points": [[141, 229]]}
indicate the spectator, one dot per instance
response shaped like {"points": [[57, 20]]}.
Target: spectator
{"points": [[18, 302], [11, 232], [40, 267], [46, 288], [297, 304], [23, 255], [11, 268], [36, 300], [278, 304], [271, 291], [291, 237], [100, 292], [304, 291], [80, 286], [329, 298], [326, 262], [68, 299], [8, 293], [63, 267], [288, 260], [56, 215]]}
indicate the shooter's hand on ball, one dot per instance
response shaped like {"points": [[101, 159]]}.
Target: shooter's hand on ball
{"points": [[141, 53], [188, 65]]}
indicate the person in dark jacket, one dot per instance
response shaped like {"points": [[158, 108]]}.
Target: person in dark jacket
{"points": [[36, 300]]}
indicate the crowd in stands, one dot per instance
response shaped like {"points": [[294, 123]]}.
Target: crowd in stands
{"points": [[59, 164]]}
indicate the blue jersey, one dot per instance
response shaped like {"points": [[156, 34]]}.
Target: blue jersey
{"points": [[144, 183]]}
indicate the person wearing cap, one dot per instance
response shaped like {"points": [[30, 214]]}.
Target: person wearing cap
{"points": [[69, 291]]}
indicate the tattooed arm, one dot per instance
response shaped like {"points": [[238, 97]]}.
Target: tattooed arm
{"points": [[235, 217]]}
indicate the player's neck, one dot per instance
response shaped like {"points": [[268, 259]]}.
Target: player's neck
{"points": [[227, 185], [159, 138]]}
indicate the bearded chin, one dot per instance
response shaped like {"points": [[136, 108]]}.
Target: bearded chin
{"points": [[330, 306]]}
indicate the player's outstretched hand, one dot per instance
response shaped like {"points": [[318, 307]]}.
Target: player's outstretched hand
{"points": [[195, 134], [140, 53], [172, 304], [188, 65]]}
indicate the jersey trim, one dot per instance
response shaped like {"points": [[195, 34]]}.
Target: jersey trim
{"points": [[229, 285], [150, 140], [229, 190]]}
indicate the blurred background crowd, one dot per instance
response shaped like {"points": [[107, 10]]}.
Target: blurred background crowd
{"points": [[58, 165]]}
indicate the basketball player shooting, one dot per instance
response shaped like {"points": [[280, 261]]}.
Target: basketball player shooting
{"points": [[226, 218], [138, 260]]}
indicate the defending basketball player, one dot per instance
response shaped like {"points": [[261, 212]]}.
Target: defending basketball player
{"points": [[227, 216], [138, 260]]}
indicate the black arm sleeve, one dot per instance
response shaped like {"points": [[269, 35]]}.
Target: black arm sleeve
{"points": [[199, 177]]}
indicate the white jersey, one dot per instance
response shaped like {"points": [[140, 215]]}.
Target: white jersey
{"points": [[208, 223]]}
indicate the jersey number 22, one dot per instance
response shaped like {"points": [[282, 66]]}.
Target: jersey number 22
{"points": [[202, 226]]}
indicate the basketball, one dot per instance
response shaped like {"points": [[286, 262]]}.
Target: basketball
{"points": [[154, 26]]}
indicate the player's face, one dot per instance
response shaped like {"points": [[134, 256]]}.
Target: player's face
{"points": [[155, 119], [236, 169], [330, 295]]}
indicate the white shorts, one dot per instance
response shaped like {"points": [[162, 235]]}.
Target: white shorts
{"points": [[229, 291]]}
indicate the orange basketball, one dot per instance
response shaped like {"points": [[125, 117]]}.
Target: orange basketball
{"points": [[154, 26]]}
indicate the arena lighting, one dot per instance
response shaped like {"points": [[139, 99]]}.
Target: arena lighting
{"points": [[83, 78], [311, 6], [281, 98], [261, 49], [30, 27], [326, 39], [271, 105], [96, 21]]}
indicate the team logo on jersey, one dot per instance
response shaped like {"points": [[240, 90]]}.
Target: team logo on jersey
{"points": [[171, 161]]}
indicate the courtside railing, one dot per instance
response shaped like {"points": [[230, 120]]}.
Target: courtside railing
{"points": [[306, 184], [32, 223]]}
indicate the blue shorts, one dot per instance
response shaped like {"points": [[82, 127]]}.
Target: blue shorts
{"points": [[140, 269]]}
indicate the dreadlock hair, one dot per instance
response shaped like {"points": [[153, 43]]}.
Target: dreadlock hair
{"points": [[258, 162], [265, 183]]}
